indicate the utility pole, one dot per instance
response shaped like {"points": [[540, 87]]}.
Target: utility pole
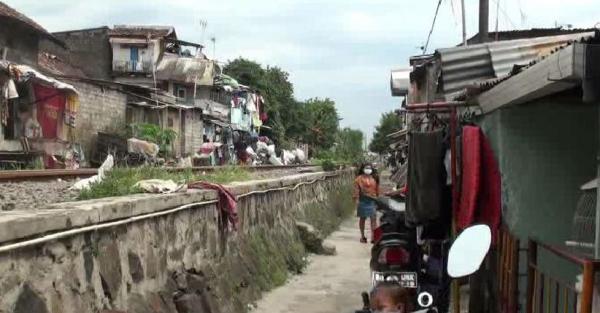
{"points": [[484, 20], [464, 23]]}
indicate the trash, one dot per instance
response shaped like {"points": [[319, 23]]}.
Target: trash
{"points": [[159, 186], [88, 182], [185, 162], [288, 157], [275, 160], [300, 156], [146, 148]]}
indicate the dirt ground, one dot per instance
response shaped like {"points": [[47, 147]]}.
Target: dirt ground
{"points": [[330, 284]]}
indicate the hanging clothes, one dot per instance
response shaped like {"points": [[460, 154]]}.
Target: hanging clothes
{"points": [[426, 177], [480, 199], [71, 109], [50, 107], [227, 205], [9, 92]]}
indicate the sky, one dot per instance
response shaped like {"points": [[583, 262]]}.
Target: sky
{"points": [[338, 49]]}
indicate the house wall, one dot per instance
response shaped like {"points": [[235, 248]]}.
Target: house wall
{"points": [[121, 50], [546, 150], [194, 129], [100, 109], [22, 43], [88, 49]]}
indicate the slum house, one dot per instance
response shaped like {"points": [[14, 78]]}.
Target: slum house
{"points": [[37, 112], [533, 99], [152, 56]]}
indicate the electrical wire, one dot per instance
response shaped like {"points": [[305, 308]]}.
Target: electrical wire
{"points": [[437, 10], [505, 14], [497, 17]]}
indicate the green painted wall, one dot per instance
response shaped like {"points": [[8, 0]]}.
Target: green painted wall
{"points": [[546, 150]]}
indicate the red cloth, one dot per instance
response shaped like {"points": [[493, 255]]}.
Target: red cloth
{"points": [[50, 108], [227, 204], [480, 199]]}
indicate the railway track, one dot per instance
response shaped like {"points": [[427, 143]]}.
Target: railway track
{"points": [[41, 175]]}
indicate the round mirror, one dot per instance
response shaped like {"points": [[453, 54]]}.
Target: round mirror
{"points": [[425, 299], [469, 250]]}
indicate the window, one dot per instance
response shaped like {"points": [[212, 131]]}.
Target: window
{"points": [[181, 92]]}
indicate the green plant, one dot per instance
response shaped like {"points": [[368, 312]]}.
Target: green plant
{"points": [[164, 138], [328, 165], [121, 181]]}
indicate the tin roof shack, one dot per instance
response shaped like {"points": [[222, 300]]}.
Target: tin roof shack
{"points": [[20, 37], [38, 113], [542, 121], [538, 106]]}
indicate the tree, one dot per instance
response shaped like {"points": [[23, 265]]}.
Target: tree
{"points": [[322, 120], [350, 144], [273, 83], [389, 123]]}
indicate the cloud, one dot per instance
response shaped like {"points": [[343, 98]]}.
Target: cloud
{"points": [[341, 49]]}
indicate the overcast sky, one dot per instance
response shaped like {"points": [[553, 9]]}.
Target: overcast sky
{"points": [[341, 49]]}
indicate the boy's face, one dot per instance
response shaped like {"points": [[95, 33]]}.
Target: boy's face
{"points": [[383, 303]]}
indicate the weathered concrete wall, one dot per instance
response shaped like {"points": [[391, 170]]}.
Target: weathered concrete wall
{"points": [[100, 109], [22, 43], [88, 49], [546, 150], [177, 262]]}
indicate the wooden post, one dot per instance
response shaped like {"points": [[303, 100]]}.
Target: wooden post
{"points": [[531, 259], [588, 287]]}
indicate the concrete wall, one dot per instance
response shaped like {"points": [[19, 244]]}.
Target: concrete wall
{"points": [[101, 109], [22, 43], [88, 49], [174, 263], [546, 150]]}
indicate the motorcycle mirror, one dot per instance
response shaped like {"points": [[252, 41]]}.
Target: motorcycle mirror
{"points": [[469, 250]]}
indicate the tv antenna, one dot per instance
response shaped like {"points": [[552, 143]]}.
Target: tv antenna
{"points": [[203, 24], [213, 39]]}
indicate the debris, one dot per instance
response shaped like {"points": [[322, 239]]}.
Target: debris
{"points": [[313, 240], [88, 182], [148, 149], [159, 186]]}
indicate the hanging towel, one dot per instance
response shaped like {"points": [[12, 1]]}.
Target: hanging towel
{"points": [[426, 177], [227, 204], [481, 192]]}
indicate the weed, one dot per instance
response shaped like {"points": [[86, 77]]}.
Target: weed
{"points": [[121, 181]]}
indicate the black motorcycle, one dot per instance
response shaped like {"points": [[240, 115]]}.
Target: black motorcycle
{"points": [[464, 258]]}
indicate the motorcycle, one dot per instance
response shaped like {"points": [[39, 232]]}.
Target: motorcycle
{"points": [[465, 257]]}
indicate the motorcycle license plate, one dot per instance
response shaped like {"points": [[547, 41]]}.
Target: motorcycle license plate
{"points": [[405, 279]]}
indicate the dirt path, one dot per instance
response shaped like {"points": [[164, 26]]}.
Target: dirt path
{"points": [[330, 284]]}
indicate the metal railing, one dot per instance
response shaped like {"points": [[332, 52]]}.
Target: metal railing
{"points": [[508, 271], [547, 294], [122, 66]]}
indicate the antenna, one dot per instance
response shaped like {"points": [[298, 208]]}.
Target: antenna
{"points": [[213, 39], [203, 24]]}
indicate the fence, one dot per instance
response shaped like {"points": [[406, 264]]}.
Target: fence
{"points": [[508, 271], [548, 294]]}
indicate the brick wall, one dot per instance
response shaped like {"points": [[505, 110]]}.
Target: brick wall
{"points": [[101, 109]]}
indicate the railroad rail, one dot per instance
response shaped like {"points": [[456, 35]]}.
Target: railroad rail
{"points": [[40, 175]]}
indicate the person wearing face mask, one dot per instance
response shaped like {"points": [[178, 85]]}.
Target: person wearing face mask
{"points": [[366, 190]]}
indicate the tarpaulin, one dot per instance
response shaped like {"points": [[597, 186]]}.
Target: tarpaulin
{"points": [[480, 200], [50, 108]]}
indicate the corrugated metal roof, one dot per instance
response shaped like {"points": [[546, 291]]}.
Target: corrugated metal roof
{"points": [[465, 66], [142, 31]]}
